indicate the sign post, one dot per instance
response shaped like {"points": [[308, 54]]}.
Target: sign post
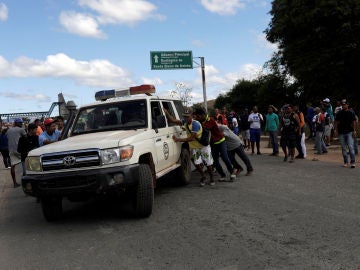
{"points": [[171, 60], [163, 60]]}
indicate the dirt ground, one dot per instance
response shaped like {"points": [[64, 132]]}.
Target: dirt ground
{"points": [[333, 154]]}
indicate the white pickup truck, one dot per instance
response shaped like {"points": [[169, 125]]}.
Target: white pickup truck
{"points": [[122, 142]]}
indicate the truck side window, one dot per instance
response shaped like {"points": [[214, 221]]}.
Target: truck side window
{"points": [[157, 118], [167, 105]]}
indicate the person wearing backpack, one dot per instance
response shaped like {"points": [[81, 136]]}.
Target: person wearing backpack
{"points": [[201, 154], [218, 144]]}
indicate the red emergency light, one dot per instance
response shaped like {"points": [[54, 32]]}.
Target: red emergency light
{"points": [[142, 89], [147, 89]]}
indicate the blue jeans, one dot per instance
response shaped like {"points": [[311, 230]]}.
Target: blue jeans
{"points": [[319, 143], [274, 141], [221, 149], [347, 141]]}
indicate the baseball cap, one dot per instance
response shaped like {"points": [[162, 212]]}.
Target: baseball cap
{"points": [[327, 100], [48, 121], [187, 112], [18, 120]]}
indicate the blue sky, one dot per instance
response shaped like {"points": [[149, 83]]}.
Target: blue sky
{"points": [[78, 47]]}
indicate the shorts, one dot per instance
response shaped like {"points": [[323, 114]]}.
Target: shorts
{"points": [[245, 134], [288, 141], [202, 155], [255, 134], [15, 158], [327, 131]]}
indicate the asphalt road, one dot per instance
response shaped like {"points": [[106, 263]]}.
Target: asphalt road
{"points": [[303, 215]]}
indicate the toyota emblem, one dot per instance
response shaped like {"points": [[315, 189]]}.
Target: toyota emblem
{"points": [[69, 161]]}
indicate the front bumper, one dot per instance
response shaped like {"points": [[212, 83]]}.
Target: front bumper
{"points": [[93, 181]]}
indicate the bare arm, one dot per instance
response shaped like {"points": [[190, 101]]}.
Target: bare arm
{"points": [[171, 118]]}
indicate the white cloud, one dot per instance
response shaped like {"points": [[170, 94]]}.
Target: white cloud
{"points": [[96, 72], [81, 24], [228, 7], [26, 97], [120, 11], [103, 12], [3, 12], [154, 81], [217, 83], [264, 43]]}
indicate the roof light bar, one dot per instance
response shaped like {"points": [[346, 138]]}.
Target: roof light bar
{"points": [[103, 95]]}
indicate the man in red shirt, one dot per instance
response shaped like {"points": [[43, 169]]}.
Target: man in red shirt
{"points": [[218, 144]]}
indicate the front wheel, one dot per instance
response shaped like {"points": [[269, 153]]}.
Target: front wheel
{"points": [[144, 196], [52, 208]]}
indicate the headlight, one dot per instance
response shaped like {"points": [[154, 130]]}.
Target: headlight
{"points": [[113, 155], [33, 164]]}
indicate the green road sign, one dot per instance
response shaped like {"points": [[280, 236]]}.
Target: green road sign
{"points": [[171, 60]]}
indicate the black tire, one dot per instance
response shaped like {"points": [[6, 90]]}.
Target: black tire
{"points": [[183, 173], [144, 196], [52, 208]]}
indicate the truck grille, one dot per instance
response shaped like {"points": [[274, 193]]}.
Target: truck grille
{"points": [[70, 160]]}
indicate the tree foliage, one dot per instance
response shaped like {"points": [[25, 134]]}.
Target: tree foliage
{"points": [[318, 45]]}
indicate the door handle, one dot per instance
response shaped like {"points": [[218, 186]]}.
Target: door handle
{"points": [[158, 140]]}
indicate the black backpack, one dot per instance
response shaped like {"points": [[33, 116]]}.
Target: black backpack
{"points": [[205, 136]]}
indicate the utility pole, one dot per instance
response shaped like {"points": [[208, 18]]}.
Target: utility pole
{"points": [[203, 81], [202, 65]]}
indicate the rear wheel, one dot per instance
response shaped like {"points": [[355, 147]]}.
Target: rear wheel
{"points": [[144, 196], [52, 208], [183, 173]]}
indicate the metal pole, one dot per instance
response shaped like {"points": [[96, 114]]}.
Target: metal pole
{"points": [[203, 81]]}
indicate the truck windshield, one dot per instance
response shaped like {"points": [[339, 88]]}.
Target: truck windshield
{"points": [[111, 116]]}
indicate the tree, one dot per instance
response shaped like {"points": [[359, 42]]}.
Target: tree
{"points": [[183, 92], [319, 45]]}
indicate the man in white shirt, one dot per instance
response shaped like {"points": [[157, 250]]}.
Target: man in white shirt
{"points": [[255, 119]]}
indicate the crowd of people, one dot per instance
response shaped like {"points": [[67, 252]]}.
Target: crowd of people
{"points": [[231, 134], [16, 141]]}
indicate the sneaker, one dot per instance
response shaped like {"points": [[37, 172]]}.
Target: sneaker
{"points": [[232, 177], [222, 179], [249, 173], [212, 183], [237, 171], [352, 166], [299, 157], [285, 158], [258, 153], [345, 165], [202, 181], [16, 185]]}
